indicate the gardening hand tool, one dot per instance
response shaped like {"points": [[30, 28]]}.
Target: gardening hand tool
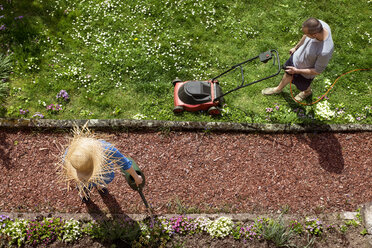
{"points": [[133, 185]]}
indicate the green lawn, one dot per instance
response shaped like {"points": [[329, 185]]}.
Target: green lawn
{"points": [[116, 59]]}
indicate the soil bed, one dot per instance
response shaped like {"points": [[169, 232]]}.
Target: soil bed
{"points": [[192, 172], [208, 172]]}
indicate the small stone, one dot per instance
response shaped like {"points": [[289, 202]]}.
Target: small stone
{"points": [[349, 215], [367, 216], [369, 242]]}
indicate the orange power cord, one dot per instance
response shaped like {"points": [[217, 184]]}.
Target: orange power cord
{"points": [[308, 104]]}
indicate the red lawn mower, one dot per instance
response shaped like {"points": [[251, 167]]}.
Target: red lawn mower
{"points": [[195, 95]]}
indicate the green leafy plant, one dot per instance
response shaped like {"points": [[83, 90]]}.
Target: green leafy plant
{"points": [[86, 113], [94, 230], [5, 67], [236, 232], [44, 231], [364, 232], [297, 227], [343, 228], [353, 223], [314, 226], [154, 233], [116, 111], [359, 216], [251, 231], [277, 232], [14, 230], [283, 114], [116, 230], [157, 232]]}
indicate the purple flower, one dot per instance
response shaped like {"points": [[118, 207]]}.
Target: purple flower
{"points": [[54, 108], [23, 111], [341, 111], [2, 27], [63, 95]]}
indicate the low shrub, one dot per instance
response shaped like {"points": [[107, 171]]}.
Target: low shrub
{"points": [[159, 231]]}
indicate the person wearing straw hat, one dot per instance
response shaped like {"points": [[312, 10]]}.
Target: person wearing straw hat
{"points": [[90, 163]]}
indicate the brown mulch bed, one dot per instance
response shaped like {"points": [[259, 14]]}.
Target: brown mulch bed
{"points": [[207, 172]]}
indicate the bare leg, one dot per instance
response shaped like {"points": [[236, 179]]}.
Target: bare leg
{"points": [[284, 82], [286, 79], [308, 91], [304, 94]]}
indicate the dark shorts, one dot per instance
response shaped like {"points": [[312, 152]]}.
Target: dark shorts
{"points": [[301, 82]]}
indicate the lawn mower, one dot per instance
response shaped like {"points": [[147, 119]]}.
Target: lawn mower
{"points": [[207, 96]]}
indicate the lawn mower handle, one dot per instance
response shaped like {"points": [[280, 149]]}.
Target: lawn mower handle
{"points": [[233, 67], [241, 68]]}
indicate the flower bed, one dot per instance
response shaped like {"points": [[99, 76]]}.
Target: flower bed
{"points": [[161, 231]]}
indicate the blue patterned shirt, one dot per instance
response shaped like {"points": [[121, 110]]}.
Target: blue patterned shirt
{"points": [[119, 158]]}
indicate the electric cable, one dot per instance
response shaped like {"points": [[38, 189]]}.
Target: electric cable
{"points": [[308, 104]]}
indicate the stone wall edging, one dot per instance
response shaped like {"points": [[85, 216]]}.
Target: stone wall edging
{"points": [[183, 125], [138, 217]]}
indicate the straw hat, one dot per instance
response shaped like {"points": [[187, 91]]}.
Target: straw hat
{"points": [[85, 161]]}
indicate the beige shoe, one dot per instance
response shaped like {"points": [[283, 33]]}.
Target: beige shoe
{"points": [[302, 96], [269, 91]]}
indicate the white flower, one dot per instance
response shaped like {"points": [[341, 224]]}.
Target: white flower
{"points": [[221, 227], [139, 116], [72, 230], [327, 83], [324, 111], [203, 223], [350, 118]]}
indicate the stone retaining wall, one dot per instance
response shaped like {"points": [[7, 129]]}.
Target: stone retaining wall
{"points": [[183, 125]]}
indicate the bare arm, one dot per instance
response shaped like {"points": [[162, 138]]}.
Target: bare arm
{"points": [[298, 44], [137, 178], [294, 70]]}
